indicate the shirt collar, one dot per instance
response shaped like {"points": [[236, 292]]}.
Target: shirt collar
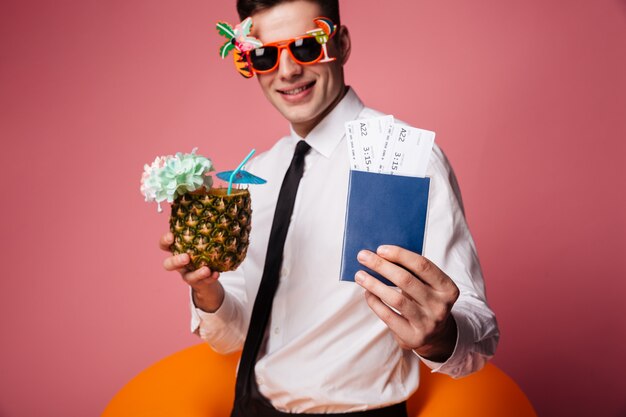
{"points": [[325, 137]]}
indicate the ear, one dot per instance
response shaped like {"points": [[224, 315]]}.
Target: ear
{"points": [[345, 44]]}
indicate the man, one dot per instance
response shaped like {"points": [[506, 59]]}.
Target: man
{"points": [[334, 347]]}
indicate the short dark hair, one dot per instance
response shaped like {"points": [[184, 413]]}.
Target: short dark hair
{"points": [[245, 8]]}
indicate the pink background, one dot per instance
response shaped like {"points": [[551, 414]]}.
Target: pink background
{"points": [[528, 99]]}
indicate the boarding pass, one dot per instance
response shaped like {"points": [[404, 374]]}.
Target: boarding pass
{"points": [[381, 145]]}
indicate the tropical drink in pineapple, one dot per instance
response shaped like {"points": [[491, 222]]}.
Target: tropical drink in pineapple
{"points": [[212, 225]]}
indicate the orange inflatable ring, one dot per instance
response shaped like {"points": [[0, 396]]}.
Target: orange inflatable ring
{"points": [[197, 382]]}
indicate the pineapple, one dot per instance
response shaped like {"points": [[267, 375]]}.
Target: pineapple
{"points": [[212, 227]]}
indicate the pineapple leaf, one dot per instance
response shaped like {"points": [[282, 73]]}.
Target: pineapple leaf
{"points": [[225, 49], [225, 29]]}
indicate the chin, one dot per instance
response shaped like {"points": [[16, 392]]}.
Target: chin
{"points": [[300, 117], [299, 113]]}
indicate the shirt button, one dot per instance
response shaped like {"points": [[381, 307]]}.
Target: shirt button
{"points": [[276, 330], [260, 381]]}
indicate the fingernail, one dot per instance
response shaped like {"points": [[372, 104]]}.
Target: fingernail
{"points": [[383, 249], [182, 257], [364, 256], [359, 277]]}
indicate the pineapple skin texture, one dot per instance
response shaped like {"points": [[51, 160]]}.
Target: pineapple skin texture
{"points": [[212, 227]]}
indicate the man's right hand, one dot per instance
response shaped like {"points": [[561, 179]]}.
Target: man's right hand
{"points": [[208, 293]]}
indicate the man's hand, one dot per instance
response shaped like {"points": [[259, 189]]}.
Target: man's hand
{"points": [[423, 321], [208, 293]]}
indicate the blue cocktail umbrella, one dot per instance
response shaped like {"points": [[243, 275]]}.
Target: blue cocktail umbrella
{"points": [[239, 176]]}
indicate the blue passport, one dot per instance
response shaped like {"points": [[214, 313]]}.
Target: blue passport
{"points": [[382, 209]]}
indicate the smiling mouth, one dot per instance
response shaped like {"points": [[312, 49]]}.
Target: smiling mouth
{"points": [[298, 90]]}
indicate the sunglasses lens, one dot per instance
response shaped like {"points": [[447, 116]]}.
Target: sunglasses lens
{"points": [[263, 59], [306, 49]]}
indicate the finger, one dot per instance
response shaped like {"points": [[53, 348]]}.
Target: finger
{"points": [[396, 323], [401, 343], [419, 265], [173, 263], [399, 276], [166, 241], [398, 300], [199, 275]]}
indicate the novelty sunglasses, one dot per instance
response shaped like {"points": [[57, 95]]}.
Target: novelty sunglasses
{"points": [[251, 56]]}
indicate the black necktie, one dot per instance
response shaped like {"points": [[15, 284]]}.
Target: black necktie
{"points": [[246, 385]]}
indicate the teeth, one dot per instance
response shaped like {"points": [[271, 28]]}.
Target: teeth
{"points": [[295, 90]]}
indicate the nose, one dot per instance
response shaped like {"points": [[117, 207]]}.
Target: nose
{"points": [[287, 67]]}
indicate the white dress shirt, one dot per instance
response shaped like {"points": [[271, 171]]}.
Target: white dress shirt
{"points": [[325, 350]]}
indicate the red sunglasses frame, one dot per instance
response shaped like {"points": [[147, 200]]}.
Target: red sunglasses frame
{"points": [[284, 44]]}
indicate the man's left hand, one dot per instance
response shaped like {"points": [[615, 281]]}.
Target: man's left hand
{"points": [[423, 321]]}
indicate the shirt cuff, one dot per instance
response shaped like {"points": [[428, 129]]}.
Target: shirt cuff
{"points": [[464, 338], [220, 317]]}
